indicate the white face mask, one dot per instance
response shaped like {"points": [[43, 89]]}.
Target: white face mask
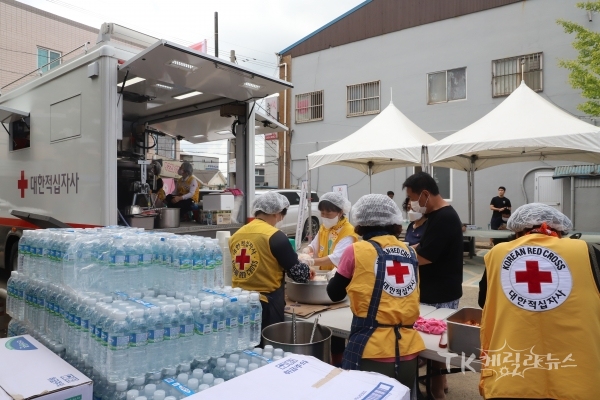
{"points": [[330, 222], [504, 219], [279, 223], [414, 216], [417, 207]]}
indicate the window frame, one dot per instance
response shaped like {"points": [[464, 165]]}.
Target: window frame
{"points": [[446, 86], [363, 99], [163, 154], [451, 175], [518, 72], [310, 107], [48, 59]]}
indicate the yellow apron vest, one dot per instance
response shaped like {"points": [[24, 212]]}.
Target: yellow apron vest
{"points": [[183, 187], [392, 310], [540, 324], [329, 238], [254, 266]]}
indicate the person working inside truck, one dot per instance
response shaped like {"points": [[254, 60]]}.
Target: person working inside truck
{"points": [[335, 235], [187, 190], [261, 253], [380, 275], [540, 298]]}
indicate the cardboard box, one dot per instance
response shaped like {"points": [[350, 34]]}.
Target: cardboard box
{"points": [[303, 377], [217, 217], [224, 218], [28, 370]]}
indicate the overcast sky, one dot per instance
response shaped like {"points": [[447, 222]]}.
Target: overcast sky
{"points": [[255, 29]]}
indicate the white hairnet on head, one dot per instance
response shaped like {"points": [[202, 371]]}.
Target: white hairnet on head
{"points": [[534, 214], [270, 203], [338, 200], [376, 210]]}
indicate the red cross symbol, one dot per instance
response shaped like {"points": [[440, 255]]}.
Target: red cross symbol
{"points": [[23, 184], [398, 270], [533, 277], [242, 259]]}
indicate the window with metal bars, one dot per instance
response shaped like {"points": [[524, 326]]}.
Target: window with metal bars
{"points": [[309, 107], [363, 99], [507, 74], [445, 86], [166, 147]]}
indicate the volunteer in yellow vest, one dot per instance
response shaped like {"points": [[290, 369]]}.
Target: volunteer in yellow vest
{"points": [[380, 275], [187, 190], [541, 312], [261, 253], [335, 233]]}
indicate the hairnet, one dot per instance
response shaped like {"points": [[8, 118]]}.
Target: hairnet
{"points": [[376, 210], [338, 200], [534, 214], [187, 167], [270, 203]]}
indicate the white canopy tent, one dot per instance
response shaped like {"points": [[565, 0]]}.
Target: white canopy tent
{"points": [[524, 127], [388, 141]]}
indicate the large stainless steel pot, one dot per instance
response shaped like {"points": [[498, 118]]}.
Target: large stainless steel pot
{"points": [[280, 335], [313, 292], [132, 210], [169, 218]]}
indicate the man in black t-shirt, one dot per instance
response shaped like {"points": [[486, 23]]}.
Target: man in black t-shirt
{"points": [[497, 205], [440, 252]]}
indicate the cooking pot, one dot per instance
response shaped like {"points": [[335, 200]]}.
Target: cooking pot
{"points": [[313, 292], [132, 210], [280, 335], [169, 218]]}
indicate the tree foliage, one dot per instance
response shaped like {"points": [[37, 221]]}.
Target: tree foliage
{"points": [[585, 69]]}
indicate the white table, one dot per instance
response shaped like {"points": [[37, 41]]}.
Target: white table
{"points": [[487, 234]]}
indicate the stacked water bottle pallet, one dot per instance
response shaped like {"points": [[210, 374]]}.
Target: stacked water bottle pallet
{"points": [[121, 323]]}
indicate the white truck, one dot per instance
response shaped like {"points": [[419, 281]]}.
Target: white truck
{"points": [[74, 142]]}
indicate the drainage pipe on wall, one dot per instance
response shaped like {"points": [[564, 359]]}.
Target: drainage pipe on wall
{"points": [[572, 214]]}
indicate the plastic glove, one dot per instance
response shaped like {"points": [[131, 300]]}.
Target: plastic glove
{"points": [[307, 250]]}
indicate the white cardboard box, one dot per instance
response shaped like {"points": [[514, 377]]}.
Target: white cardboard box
{"points": [[28, 369], [299, 377], [217, 202]]}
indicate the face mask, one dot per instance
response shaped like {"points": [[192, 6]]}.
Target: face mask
{"points": [[504, 219], [279, 224], [414, 216], [330, 222], [417, 207]]}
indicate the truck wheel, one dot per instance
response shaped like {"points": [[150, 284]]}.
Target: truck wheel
{"points": [[13, 261], [315, 228]]}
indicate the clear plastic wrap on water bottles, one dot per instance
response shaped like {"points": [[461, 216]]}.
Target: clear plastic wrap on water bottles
{"points": [[86, 315], [132, 260], [146, 257], [255, 319], [231, 325], [138, 341], [243, 323], [217, 259], [198, 264], [118, 348], [217, 346], [154, 348], [186, 333], [117, 273], [24, 260], [203, 331], [171, 335]]}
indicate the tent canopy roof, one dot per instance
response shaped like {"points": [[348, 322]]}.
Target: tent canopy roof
{"points": [[390, 140], [524, 127]]}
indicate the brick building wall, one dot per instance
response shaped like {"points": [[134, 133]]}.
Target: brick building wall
{"points": [[24, 28]]}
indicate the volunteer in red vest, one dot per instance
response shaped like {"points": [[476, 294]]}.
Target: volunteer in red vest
{"points": [[335, 233], [261, 253], [380, 275], [541, 312], [187, 190]]}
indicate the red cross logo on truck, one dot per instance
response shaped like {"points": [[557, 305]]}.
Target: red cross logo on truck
{"points": [[23, 184], [533, 277], [397, 270], [242, 259]]}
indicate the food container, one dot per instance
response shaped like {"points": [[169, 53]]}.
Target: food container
{"points": [[313, 292], [169, 218], [463, 337], [141, 221], [280, 335], [132, 210]]}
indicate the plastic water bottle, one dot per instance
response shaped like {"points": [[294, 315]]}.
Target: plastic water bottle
{"points": [[208, 379], [138, 384], [118, 343], [217, 259], [138, 340], [132, 394], [193, 384], [145, 263], [171, 336], [243, 323], [231, 325], [182, 263], [217, 346], [11, 292], [132, 259], [149, 390], [117, 271], [154, 349], [203, 331], [84, 340], [229, 371], [209, 269], [186, 333], [120, 391], [159, 395], [255, 319], [19, 293], [220, 368], [24, 258], [198, 264]]}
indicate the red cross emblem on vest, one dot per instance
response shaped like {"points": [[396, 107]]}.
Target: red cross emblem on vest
{"points": [[533, 277], [242, 259], [397, 269]]}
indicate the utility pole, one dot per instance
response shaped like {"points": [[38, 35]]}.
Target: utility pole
{"points": [[216, 34]]}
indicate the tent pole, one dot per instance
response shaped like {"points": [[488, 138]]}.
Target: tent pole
{"points": [[370, 164], [472, 192], [309, 202]]}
